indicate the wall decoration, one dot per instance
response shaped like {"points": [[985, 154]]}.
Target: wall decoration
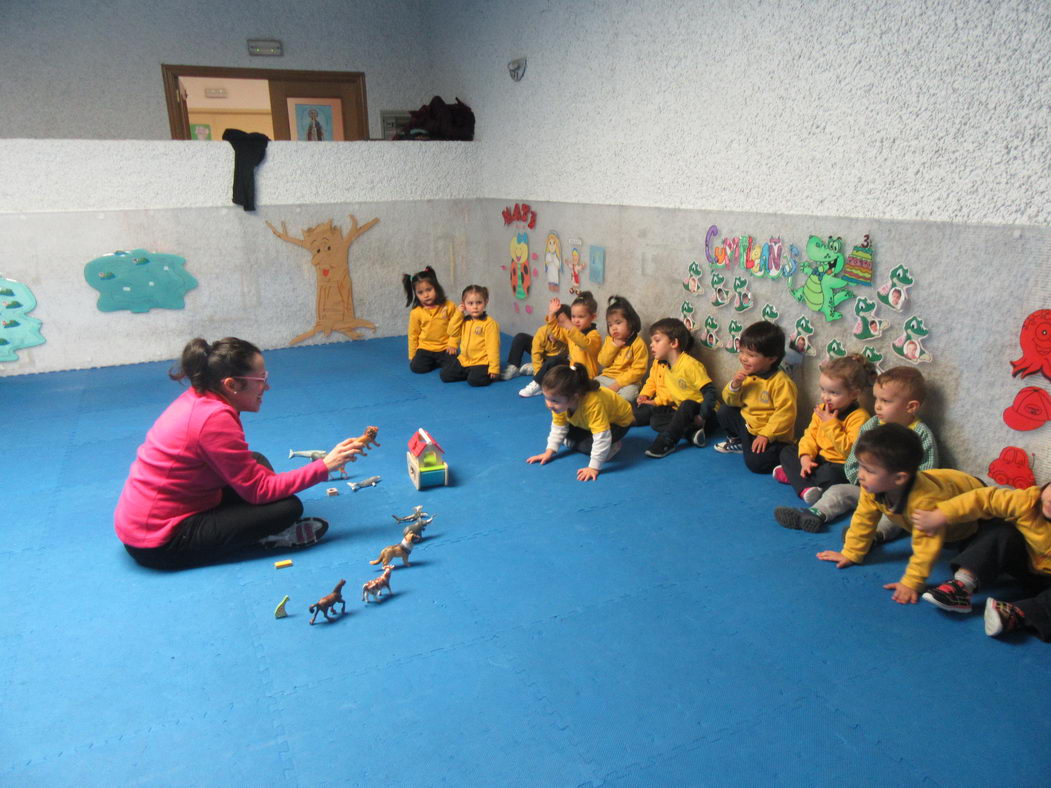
{"points": [[742, 298], [909, 345], [823, 289], [520, 274], [686, 310], [1012, 468], [576, 264], [553, 261], [522, 213], [867, 326], [759, 259], [721, 294], [770, 313], [692, 282], [597, 260], [139, 281], [1035, 339], [800, 338], [330, 255], [315, 119], [896, 292], [1031, 409], [17, 329], [710, 337], [874, 357], [733, 344], [835, 349], [858, 270]]}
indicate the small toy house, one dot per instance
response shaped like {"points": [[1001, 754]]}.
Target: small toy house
{"points": [[426, 461]]}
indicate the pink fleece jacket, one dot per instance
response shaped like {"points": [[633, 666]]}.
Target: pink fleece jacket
{"points": [[193, 450]]}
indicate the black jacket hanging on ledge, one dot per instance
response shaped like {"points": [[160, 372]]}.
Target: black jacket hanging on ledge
{"points": [[249, 151]]}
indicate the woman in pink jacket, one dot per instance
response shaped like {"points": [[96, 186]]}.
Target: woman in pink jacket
{"points": [[195, 492]]}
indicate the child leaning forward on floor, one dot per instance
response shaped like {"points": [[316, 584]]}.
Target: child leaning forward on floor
{"points": [[585, 416], [817, 463], [479, 359], [679, 398], [892, 484], [898, 394], [1019, 547], [760, 413]]}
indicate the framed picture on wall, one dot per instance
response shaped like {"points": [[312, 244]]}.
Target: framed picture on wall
{"points": [[200, 131], [316, 119]]}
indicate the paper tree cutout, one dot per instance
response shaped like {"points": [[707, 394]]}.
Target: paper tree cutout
{"points": [[553, 261], [1012, 468], [896, 292], [139, 281], [710, 338], [17, 329], [692, 282], [721, 295], [1035, 339], [686, 310], [742, 298], [867, 327], [329, 254], [823, 289], [733, 344], [874, 357], [858, 270], [909, 345]]}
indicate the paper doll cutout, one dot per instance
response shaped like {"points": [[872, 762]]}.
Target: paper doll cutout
{"points": [[800, 338], [733, 344], [17, 329], [553, 261], [1035, 339], [896, 292], [710, 337], [576, 265], [823, 288], [867, 327], [909, 345], [1013, 468], [742, 298], [139, 281], [692, 282]]}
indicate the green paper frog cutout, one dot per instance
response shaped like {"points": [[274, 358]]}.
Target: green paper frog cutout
{"points": [[733, 344], [770, 313], [835, 349], [742, 297], [687, 311], [823, 290], [867, 325], [909, 345], [720, 296], [710, 339], [800, 338]]}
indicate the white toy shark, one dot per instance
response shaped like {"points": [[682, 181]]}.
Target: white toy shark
{"points": [[372, 481]]}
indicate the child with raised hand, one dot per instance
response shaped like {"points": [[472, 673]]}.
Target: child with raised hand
{"points": [[892, 485], [760, 416], [679, 397], [543, 349], [479, 359], [1020, 547], [434, 322], [817, 463], [585, 417], [898, 395], [623, 356], [577, 331]]}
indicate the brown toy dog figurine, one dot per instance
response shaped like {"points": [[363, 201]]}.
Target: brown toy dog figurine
{"points": [[401, 550], [374, 588], [326, 603]]}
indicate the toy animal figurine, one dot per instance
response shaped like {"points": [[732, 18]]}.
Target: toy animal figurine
{"points": [[374, 588], [326, 603], [317, 454], [401, 550], [372, 481], [417, 521], [368, 438], [823, 289]]}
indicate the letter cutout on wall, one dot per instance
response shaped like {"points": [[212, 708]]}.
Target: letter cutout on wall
{"points": [[330, 255], [139, 281], [1035, 339], [17, 329]]}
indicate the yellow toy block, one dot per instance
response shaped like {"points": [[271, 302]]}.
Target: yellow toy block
{"points": [[281, 564]]}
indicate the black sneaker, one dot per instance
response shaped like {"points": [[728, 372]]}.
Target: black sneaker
{"points": [[661, 447], [951, 596], [798, 519]]}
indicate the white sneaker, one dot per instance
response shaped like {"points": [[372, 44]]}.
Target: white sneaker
{"points": [[509, 372], [531, 389], [527, 369], [302, 533]]}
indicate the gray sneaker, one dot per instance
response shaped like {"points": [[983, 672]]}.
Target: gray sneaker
{"points": [[302, 533], [510, 371], [527, 369]]}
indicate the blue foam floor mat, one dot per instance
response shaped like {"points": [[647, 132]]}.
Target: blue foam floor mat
{"points": [[655, 627]]}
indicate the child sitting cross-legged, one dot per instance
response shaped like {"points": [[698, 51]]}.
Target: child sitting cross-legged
{"points": [[678, 397], [623, 356], [891, 484], [898, 395], [760, 416], [545, 351], [817, 463], [577, 332], [479, 359], [1020, 547]]}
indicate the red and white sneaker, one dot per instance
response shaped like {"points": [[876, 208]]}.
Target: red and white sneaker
{"points": [[780, 475], [1002, 617], [950, 595]]}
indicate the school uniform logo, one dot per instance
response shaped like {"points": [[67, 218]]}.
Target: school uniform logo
{"points": [[764, 396]]}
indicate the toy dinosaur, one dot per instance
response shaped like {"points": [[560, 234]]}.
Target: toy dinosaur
{"points": [[823, 290], [417, 521]]}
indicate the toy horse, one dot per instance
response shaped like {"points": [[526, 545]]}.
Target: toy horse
{"points": [[326, 603], [374, 588]]}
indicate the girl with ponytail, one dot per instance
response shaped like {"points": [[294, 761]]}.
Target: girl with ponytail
{"points": [[434, 322]]}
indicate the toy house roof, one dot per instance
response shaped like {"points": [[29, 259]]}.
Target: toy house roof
{"points": [[421, 439]]}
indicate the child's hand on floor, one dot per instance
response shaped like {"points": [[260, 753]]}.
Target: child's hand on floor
{"points": [[759, 444], [842, 562], [541, 458], [929, 522], [587, 475], [806, 465], [903, 595]]}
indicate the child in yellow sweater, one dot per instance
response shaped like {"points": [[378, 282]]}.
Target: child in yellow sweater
{"points": [[817, 463], [434, 322], [543, 349], [623, 356], [479, 359], [577, 331]]}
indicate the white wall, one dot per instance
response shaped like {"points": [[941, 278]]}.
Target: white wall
{"points": [[904, 109]]}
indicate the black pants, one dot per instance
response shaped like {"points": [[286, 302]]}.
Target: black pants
{"points": [[549, 363], [583, 440], [675, 422], [476, 376], [520, 346], [999, 548], [429, 360], [765, 461], [824, 475], [212, 535]]}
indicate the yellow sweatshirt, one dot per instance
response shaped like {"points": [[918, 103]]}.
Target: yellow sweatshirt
{"points": [[767, 403], [627, 364], [583, 345], [596, 412], [1021, 507], [928, 489], [673, 385], [435, 328], [546, 346], [480, 344], [832, 440]]}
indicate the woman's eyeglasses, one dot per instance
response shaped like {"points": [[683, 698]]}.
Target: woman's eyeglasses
{"points": [[264, 378]]}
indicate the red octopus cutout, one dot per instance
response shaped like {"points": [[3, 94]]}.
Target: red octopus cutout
{"points": [[1012, 468], [1035, 339]]}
